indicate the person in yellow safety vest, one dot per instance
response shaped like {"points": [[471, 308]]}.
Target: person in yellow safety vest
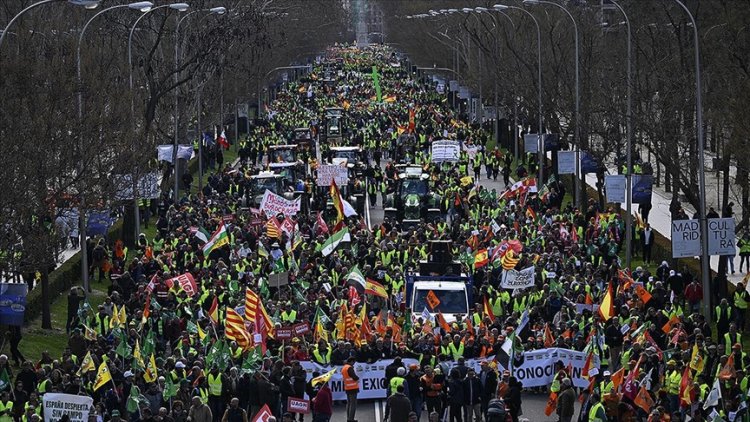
{"points": [[606, 385], [28, 414], [731, 338], [397, 380], [724, 316], [100, 322], [288, 317], [560, 374], [456, 347], [351, 387], [672, 380], [597, 413], [741, 301], [216, 390], [178, 373], [322, 354], [6, 407]]}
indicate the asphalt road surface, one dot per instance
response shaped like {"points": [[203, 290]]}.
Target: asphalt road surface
{"points": [[373, 410]]}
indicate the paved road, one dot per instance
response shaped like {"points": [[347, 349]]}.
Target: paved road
{"points": [[373, 411]]}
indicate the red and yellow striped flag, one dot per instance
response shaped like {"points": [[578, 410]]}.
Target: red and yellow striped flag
{"points": [[234, 329], [254, 310]]}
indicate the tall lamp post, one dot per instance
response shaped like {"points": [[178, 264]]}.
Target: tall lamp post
{"points": [[629, 172], [578, 179], [175, 146], [88, 4], [540, 144], [143, 6], [705, 269], [180, 7]]}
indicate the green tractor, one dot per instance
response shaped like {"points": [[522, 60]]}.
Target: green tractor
{"points": [[412, 200]]}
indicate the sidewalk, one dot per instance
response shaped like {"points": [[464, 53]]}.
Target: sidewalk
{"points": [[661, 219]]}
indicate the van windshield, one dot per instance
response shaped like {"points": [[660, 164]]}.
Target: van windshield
{"points": [[451, 301]]}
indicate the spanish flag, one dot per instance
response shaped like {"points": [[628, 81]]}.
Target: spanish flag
{"points": [[481, 259], [607, 308], [374, 288], [213, 311], [337, 203]]}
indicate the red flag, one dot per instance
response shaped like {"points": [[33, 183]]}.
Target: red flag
{"points": [[551, 404], [221, 139], [322, 226], [589, 300], [147, 308], [354, 298], [263, 415]]}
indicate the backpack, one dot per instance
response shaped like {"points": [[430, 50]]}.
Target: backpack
{"points": [[496, 411]]}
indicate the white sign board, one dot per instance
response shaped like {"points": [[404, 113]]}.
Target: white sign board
{"points": [[721, 237], [566, 162], [76, 407], [531, 142], [615, 184], [148, 186], [686, 238], [337, 172], [513, 279], [445, 151], [273, 204]]}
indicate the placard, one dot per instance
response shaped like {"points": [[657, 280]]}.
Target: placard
{"points": [[588, 163], [56, 405], [721, 236], [328, 172], [273, 204], [686, 238], [302, 328], [284, 333], [445, 151], [513, 279], [566, 162], [642, 188], [295, 405], [615, 185], [531, 142]]}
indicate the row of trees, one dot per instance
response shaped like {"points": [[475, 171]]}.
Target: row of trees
{"points": [[487, 49], [55, 158]]}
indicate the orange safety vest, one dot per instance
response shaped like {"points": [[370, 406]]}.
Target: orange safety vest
{"points": [[349, 382]]}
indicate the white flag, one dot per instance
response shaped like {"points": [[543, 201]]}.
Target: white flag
{"points": [[348, 208], [713, 397]]}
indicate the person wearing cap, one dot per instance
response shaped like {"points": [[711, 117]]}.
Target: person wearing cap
{"points": [[178, 373], [566, 401], [397, 380], [606, 385], [288, 316]]}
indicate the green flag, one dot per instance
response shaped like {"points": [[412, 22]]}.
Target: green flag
{"points": [[332, 242], [252, 361], [376, 83], [192, 328], [4, 380], [132, 404], [170, 389], [148, 345], [123, 348]]}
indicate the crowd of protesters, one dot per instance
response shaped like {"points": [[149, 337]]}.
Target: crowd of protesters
{"points": [[174, 357]]}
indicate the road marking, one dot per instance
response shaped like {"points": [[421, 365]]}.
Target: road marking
{"points": [[378, 404]]}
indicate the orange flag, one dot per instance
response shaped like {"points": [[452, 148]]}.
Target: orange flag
{"points": [[551, 406], [432, 300], [642, 293], [643, 400], [549, 340], [442, 322], [727, 371], [674, 320], [589, 300], [587, 365], [488, 310], [617, 378], [589, 390]]}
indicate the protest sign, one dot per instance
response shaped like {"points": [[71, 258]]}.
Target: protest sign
{"points": [[513, 279], [56, 405], [273, 204]]}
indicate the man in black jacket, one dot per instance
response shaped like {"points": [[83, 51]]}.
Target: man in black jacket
{"points": [[472, 397], [488, 380], [397, 407]]}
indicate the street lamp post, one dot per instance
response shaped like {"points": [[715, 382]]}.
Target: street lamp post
{"points": [[142, 6], [88, 4], [629, 172], [540, 144], [705, 269], [175, 146], [180, 7], [578, 180]]}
